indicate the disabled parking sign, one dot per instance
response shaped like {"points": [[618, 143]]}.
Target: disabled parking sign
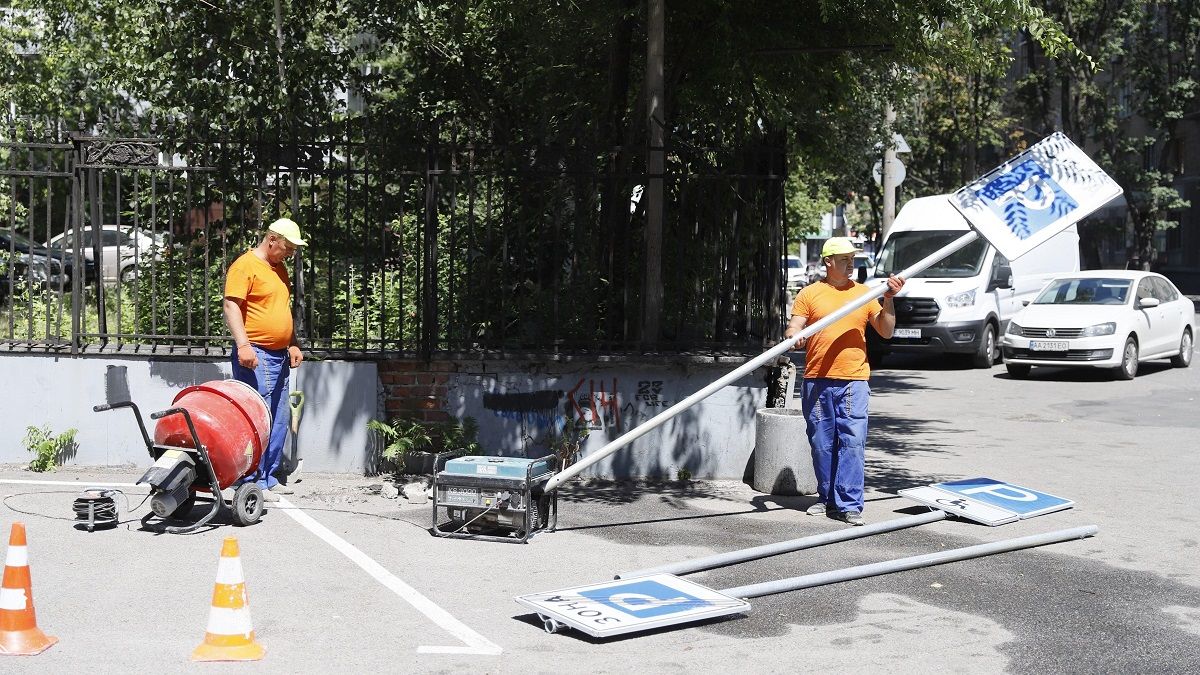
{"points": [[1035, 195], [987, 501], [630, 605]]}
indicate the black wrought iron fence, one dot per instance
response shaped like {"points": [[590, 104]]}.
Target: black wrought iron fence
{"points": [[120, 234]]}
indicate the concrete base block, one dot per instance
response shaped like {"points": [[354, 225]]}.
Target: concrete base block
{"points": [[782, 462]]}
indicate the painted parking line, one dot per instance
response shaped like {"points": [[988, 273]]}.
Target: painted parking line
{"points": [[76, 483], [476, 643]]}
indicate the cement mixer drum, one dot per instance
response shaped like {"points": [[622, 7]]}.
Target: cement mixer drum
{"points": [[231, 420]]}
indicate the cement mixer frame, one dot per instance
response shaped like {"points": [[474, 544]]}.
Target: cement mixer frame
{"points": [[247, 503]]}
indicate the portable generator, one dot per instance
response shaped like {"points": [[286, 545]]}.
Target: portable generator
{"points": [[494, 498]]}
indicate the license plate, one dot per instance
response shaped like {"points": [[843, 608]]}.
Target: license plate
{"points": [[1048, 345], [906, 332]]}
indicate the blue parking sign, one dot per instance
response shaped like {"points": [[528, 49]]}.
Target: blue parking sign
{"points": [[644, 599], [632, 605], [988, 501], [1020, 500], [1027, 200]]}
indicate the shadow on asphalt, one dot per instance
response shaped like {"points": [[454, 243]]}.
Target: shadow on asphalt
{"points": [[626, 492], [938, 362], [651, 521], [891, 440], [1054, 374]]}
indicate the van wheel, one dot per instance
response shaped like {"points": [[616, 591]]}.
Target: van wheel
{"points": [[1017, 371], [1184, 358], [1129, 360], [987, 353]]}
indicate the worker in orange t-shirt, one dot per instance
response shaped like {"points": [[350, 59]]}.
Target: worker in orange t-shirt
{"points": [[258, 312], [835, 390]]}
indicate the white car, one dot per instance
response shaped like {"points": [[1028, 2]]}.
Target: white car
{"points": [[793, 268], [123, 249], [1102, 319]]}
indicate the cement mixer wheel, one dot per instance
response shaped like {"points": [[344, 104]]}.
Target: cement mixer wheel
{"points": [[247, 504]]}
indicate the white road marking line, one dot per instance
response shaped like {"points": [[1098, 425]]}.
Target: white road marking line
{"points": [[76, 483], [477, 643]]}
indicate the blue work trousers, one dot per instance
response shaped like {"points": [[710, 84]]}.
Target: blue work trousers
{"points": [[836, 411], [270, 379]]}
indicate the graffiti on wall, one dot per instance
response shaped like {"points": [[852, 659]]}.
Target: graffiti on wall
{"points": [[596, 401], [535, 408]]}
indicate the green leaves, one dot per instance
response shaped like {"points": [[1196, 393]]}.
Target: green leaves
{"points": [[48, 448]]}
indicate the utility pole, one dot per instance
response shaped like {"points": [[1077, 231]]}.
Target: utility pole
{"points": [[655, 166], [888, 173]]}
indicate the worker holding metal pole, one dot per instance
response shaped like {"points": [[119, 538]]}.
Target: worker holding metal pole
{"points": [[835, 392], [787, 344]]}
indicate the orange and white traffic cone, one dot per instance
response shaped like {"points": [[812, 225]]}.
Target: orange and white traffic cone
{"points": [[230, 635], [19, 634]]}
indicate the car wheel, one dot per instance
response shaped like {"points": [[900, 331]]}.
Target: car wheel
{"points": [[985, 356], [1129, 360], [1017, 371], [129, 274], [1184, 358]]}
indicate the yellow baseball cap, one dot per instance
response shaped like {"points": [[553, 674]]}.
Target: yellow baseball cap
{"points": [[838, 246], [289, 230]]}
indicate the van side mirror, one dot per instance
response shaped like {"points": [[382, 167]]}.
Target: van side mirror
{"points": [[1147, 303], [1001, 278]]}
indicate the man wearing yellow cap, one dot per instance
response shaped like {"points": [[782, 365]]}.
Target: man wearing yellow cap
{"points": [[835, 390], [259, 315]]}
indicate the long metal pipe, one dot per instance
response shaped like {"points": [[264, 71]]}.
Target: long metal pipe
{"points": [[742, 555], [748, 367], [926, 560]]}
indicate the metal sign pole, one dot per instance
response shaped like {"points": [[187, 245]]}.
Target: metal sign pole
{"points": [[913, 562], [742, 555], [748, 367]]}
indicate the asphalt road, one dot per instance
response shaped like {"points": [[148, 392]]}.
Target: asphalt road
{"points": [[354, 582]]}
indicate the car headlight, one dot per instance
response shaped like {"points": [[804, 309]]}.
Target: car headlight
{"points": [[1099, 329], [964, 299], [1014, 329]]}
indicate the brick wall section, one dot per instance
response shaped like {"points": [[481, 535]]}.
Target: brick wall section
{"points": [[415, 390]]}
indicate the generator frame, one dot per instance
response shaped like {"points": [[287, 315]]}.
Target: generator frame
{"points": [[531, 491]]}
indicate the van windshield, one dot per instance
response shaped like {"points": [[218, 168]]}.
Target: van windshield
{"points": [[903, 249]]}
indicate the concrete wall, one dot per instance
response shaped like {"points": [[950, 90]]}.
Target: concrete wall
{"points": [[519, 406], [340, 397]]}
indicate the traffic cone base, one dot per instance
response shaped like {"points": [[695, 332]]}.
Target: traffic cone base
{"points": [[19, 634], [25, 642], [215, 652], [230, 634]]}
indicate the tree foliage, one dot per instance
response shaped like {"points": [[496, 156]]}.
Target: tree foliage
{"points": [[556, 89]]}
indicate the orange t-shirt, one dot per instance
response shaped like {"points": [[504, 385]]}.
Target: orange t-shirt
{"points": [[839, 351], [266, 291]]}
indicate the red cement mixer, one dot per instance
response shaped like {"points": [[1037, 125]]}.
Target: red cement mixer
{"points": [[211, 438]]}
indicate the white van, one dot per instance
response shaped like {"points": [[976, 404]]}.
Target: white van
{"points": [[962, 304]]}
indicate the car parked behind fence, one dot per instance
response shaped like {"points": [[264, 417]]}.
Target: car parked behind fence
{"points": [[123, 249], [14, 242]]}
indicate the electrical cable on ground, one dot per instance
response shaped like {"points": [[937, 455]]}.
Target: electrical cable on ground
{"points": [[105, 507]]}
